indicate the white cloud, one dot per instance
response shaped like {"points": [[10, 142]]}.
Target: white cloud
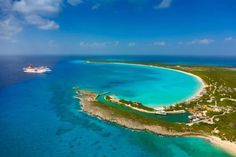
{"points": [[228, 38], [116, 43], [74, 2], [96, 44], [9, 27], [99, 44], [180, 43], [131, 44], [52, 43], [36, 12], [41, 23], [163, 4], [39, 7], [96, 6], [202, 41], [159, 43], [33, 12]]}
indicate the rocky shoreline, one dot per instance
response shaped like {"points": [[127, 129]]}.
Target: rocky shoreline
{"points": [[88, 101]]}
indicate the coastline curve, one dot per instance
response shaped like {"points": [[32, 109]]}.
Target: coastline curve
{"points": [[197, 94]]}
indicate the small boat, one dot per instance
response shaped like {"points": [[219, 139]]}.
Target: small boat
{"points": [[31, 69]]}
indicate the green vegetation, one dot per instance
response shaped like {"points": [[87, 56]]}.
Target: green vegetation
{"points": [[219, 99], [131, 103], [142, 119], [108, 97], [136, 105]]}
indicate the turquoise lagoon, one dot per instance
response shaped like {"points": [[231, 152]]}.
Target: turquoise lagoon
{"points": [[39, 116], [152, 86]]}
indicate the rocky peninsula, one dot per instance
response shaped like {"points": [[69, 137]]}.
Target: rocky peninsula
{"points": [[209, 117]]}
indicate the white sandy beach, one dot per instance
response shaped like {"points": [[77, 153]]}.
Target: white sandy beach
{"points": [[228, 146]]}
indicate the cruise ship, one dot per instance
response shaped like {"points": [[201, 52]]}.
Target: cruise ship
{"points": [[31, 69]]}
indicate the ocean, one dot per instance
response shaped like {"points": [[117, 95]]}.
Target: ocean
{"points": [[40, 117]]}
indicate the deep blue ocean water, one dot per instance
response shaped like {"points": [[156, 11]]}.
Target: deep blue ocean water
{"points": [[40, 117]]}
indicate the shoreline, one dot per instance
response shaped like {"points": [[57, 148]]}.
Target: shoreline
{"points": [[196, 95], [228, 146], [88, 100], [87, 104]]}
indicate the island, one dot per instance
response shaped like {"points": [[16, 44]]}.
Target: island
{"points": [[212, 110]]}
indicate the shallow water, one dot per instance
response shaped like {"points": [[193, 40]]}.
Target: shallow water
{"points": [[39, 116], [151, 86], [179, 118]]}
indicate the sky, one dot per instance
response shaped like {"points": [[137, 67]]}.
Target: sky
{"points": [[117, 27]]}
